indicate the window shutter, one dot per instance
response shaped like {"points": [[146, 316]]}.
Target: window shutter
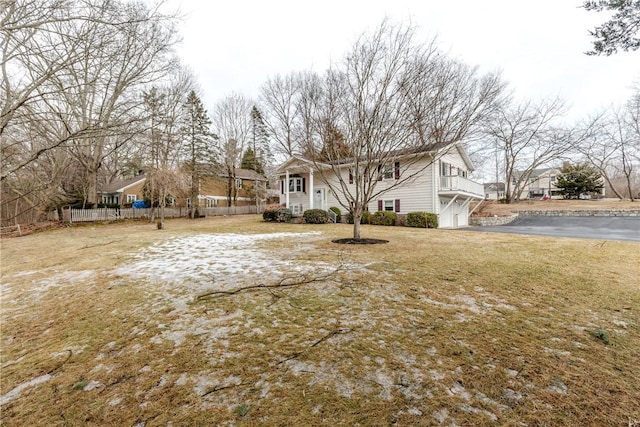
{"points": [[379, 205], [397, 205], [304, 183], [396, 166], [350, 177], [379, 172], [282, 187]]}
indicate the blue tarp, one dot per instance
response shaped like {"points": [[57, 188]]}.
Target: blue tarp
{"points": [[139, 204]]}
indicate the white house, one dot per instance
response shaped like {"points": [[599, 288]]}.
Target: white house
{"points": [[442, 187]]}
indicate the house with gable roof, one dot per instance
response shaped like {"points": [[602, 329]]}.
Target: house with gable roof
{"points": [[123, 191], [442, 187]]}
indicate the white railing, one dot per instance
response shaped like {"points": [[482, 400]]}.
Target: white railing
{"points": [[296, 208], [332, 216], [461, 184]]}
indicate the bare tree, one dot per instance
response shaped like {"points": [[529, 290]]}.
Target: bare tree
{"points": [[232, 124], [529, 136], [390, 99], [613, 148], [278, 95], [70, 70], [164, 139]]}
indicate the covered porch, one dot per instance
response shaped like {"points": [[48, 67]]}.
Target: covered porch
{"points": [[456, 193], [300, 189]]}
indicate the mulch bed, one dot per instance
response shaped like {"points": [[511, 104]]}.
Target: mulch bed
{"points": [[352, 241]]}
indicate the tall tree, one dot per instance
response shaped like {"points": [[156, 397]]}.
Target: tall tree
{"points": [[232, 123], [390, 97], [163, 147], [529, 136], [619, 32], [279, 95], [260, 138], [199, 146]]}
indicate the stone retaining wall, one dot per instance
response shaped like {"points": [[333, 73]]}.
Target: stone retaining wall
{"points": [[599, 212], [501, 220], [483, 221]]}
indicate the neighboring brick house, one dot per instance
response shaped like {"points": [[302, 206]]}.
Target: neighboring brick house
{"points": [[213, 189], [123, 191]]}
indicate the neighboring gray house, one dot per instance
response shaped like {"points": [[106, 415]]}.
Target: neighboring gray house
{"points": [[494, 191], [442, 188]]}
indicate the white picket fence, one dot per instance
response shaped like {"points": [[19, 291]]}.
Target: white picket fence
{"points": [[112, 214]]}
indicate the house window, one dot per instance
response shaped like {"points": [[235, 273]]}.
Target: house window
{"points": [[462, 173], [445, 169], [388, 205], [387, 171], [211, 203], [295, 185], [238, 183], [131, 198], [553, 178]]}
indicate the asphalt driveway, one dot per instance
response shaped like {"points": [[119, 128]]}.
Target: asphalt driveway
{"points": [[584, 227]]}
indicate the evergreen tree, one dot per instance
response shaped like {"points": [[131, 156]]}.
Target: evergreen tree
{"points": [[259, 139], [579, 179], [620, 31], [198, 146], [250, 161]]}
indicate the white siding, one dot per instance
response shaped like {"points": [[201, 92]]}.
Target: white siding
{"points": [[418, 194]]}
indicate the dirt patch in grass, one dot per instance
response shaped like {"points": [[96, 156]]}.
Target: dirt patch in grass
{"points": [[103, 325]]}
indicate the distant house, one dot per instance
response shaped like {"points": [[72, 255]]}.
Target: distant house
{"points": [[123, 192], [541, 184], [494, 191], [246, 185], [443, 187]]}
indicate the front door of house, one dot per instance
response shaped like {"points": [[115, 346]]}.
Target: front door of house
{"points": [[318, 198]]}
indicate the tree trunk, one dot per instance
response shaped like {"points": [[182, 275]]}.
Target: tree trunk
{"points": [[356, 227], [357, 219], [92, 190]]}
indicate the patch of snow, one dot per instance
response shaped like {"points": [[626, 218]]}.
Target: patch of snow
{"points": [[458, 390], [511, 394], [115, 401], [512, 372], [182, 379], [92, 385], [16, 391], [620, 323], [211, 261], [414, 411], [468, 408], [559, 387], [441, 415]]}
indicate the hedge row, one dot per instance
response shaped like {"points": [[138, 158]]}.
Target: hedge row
{"points": [[319, 216]]}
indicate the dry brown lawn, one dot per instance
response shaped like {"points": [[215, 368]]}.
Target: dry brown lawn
{"points": [[491, 207], [102, 325]]}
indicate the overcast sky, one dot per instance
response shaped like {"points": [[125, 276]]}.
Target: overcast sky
{"points": [[539, 46]]}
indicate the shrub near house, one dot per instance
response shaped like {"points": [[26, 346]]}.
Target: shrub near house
{"points": [[315, 216]]}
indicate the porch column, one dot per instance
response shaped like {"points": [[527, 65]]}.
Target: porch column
{"points": [[286, 189], [311, 189]]}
